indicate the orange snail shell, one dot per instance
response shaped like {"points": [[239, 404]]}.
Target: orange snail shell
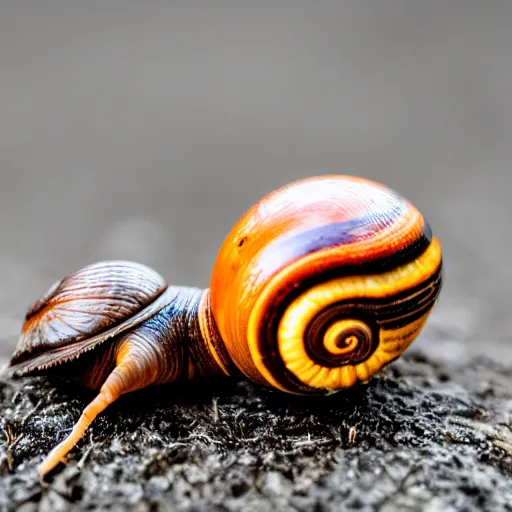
{"points": [[323, 282]]}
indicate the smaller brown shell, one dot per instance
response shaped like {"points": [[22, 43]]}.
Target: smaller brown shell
{"points": [[83, 310]]}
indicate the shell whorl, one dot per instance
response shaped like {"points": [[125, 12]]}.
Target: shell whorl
{"points": [[338, 328], [343, 283], [84, 309]]}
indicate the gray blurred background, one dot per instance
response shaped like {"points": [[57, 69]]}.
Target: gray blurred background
{"points": [[144, 130]]}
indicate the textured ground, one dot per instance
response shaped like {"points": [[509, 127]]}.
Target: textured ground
{"points": [[143, 130], [424, 436]]}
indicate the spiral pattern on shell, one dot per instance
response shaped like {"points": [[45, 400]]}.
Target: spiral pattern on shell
{"points": [[336, 282]]}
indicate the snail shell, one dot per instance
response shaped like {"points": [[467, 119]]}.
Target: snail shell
{"points": [[318, 286], [323, 282], [86, 308]]}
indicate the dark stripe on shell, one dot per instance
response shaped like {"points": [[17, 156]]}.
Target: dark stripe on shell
{"points": [[390, 313], [316, 330], [269, 325], [287, 249]]}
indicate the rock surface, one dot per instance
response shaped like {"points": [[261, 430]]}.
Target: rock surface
{"points": [[421, 436]]}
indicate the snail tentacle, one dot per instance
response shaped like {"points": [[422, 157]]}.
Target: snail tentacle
{"points": [[166, 347]]}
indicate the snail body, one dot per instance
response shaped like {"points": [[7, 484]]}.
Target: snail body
{"points": [[317, 287]]}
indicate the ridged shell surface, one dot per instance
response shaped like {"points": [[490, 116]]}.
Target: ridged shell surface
{"points": [[86, 303]]}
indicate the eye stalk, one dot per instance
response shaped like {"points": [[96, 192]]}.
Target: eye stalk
{"points": [[317, 287]]}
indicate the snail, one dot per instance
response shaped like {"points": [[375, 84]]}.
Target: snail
{"points": [[318, 286]]}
